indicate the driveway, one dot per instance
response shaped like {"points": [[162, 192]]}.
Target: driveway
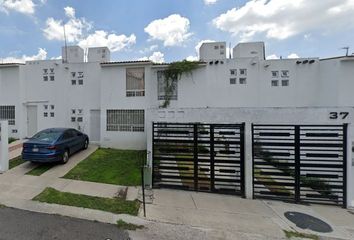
{"points": [[232, 217], [25, 225]]}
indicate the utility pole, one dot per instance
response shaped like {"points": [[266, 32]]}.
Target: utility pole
{"points": [[66, 47]]}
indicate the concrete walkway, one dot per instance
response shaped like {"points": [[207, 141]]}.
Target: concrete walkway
{"points": [[231, 216], [17, 189]]}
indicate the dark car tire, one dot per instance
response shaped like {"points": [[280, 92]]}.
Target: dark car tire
{"points": [[86, 144], [65, 157]]}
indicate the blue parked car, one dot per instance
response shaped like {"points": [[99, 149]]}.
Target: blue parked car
{"points": [[54, 145]]}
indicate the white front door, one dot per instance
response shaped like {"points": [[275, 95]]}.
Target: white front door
{"points": [[95, 125], [32, 123]]}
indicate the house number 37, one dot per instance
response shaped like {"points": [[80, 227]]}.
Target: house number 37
{"points": [[340, 115]]}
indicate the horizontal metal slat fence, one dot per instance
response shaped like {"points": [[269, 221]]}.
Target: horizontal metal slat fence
{"points": [[300, 163], [199, 157]]}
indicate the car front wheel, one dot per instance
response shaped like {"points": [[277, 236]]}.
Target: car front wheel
{"points": [[86, 144], [65, 157]]}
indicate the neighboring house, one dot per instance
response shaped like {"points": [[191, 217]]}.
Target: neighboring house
{"points": [[110, 101]]}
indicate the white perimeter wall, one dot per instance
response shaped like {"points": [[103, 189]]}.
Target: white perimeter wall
{"points": [[260, 116]]}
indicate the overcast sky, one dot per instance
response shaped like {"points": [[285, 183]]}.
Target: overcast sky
{"points": [[169, 30]]}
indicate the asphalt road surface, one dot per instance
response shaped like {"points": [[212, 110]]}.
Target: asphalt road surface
{"points": [[18, 224]]}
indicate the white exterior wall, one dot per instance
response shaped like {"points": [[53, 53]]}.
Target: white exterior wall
{"points": [[249, 50], [12, 93], [307, 115], [113, 96], [61, 93], [212, 50]]}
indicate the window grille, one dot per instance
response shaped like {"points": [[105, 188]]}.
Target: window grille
{"points": [[232, 80], [125, 120], [243, 72], [243, 80], [135, 82], [162, 87], [8, 113], [274, 83]]}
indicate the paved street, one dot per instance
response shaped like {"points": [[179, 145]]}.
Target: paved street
{"points": [[25, 225]]}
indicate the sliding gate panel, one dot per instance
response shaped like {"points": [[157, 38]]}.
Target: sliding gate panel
{"points": [[199, 157], [300, 163]]}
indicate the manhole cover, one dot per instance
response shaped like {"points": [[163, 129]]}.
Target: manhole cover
{"points": [[306, 221]]}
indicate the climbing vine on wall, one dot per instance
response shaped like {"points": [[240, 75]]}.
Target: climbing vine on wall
{"points": [[174, 72]]}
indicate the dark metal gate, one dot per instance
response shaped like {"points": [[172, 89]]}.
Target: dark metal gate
{"points": [[199, 157], [300, 163]]}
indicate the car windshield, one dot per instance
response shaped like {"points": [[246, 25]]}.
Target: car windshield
{"points": [[47, 135]]}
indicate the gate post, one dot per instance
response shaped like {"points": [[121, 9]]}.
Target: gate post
{"points": [[195, 155], [248, 160], [297, 164], [4, 146], [345, 163]]}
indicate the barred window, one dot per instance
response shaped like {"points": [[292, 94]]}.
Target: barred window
{"points": [[135, 82], [161, 82], [125, 120], [8, 113]]}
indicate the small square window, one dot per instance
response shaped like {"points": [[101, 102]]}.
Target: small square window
{"points": [[221, 46], [80, 111], [233, 72], [285, 73], [73, 74], [52, 70], [73, 111], [73, 82], [52, 107], [52, 114], [243, 81], [79, 119], [216, 47], [222, 52], [275, 74], [243, 72], [45, 71], [275, 83], [73, 119], [232, 80], [51, 78], [45, 107], [80, 74], [45, 78], [45, 114], [81, 82], [285, 83]]}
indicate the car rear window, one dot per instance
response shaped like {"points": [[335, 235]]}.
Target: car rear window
{"points": [[47, 135]]}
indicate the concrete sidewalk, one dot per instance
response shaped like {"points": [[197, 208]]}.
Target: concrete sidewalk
{"points": [[231, 216], [17, 189]]}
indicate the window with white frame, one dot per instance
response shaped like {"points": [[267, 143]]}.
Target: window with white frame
{"points": [[232, 81], [285, 73], [243, 72], [8, 113], [275, 74], [233, 71], [285, 82], [275, 83], [161, 86], [51, 78], [125, 120], [135, 82], [243, 80]]}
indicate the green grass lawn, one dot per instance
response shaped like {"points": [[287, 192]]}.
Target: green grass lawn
{"points": [[11, 140], [40, 169], [113, 205], [128, 226], [15, 162], [121, 167]]}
